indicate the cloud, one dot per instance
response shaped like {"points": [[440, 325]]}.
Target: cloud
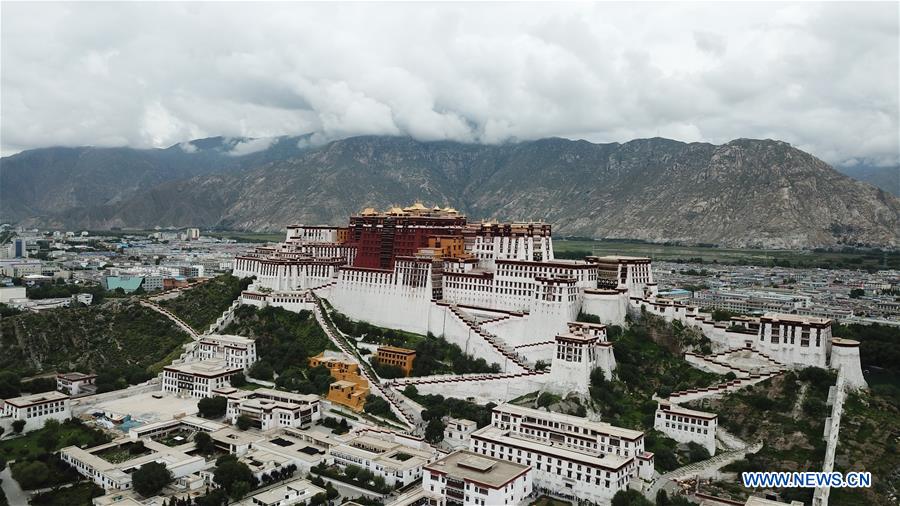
{"points": [[245, 147], [822, 76]]}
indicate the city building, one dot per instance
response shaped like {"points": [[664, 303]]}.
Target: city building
{"points": [[401, 358], [198, 379], [76, 383], [35, 410], [469, 479], [127, 283], [687, 425]]}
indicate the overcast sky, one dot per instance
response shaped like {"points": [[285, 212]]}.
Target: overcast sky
{"points": [[822, 76]]}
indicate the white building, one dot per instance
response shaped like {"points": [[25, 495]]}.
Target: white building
{"points": [[795, 340], [269, 409], [399, 464], [578, 352], [468, 479], [293, 492], [8, 293], [198, 379], [687, 425], [457, 432], [35, 410], [235, 351], [76, 383], [571, 457], [103, 465]]}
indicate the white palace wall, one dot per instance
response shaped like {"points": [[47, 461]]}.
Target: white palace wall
{"points": [[484, 391], [609, 307]]}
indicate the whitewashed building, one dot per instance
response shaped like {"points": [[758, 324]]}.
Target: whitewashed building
{"points": [[270, 409], [578, 352], [687, 425], [35, 410], [397, 463], [571, 457], [198, 379], [469, 479], [457, 432]]}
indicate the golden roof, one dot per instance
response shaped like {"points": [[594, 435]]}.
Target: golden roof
{"points": [[369, 211]]}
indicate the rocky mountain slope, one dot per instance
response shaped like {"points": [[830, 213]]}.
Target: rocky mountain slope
{"points": [[759, 193], [887, 178]]}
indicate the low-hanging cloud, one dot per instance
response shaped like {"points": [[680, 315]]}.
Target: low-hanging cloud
{"points": [[822, 76]]}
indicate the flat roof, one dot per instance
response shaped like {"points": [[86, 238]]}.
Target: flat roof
{"points": [[601, 427], [497, 435], [678, 410], [396, 349], [483, 470], [277, 494], [227, 338], [42, 398], [210, 367], [813, 320]]}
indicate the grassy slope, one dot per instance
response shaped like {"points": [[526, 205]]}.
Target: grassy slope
{"points": [[791, 432], [202, 305], [117, 333]]}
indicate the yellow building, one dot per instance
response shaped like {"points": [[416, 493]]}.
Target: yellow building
{"points": [[350, 389], [397, 357], [350, 394]]}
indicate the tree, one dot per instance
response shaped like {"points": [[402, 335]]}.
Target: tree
{"points": [[230, 472], [261, 371], [150, 478], [244, 422], [31, 475], [377, 406], [238, 380], [212, 407], [331, 492], [630, 498], [18, 425], [434, 431], [857, 293], [204, 443]]}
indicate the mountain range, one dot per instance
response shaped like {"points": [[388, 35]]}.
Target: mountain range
{"points": [[745, 193]]}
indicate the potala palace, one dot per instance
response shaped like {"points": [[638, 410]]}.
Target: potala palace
{"points": [[498, 291]]}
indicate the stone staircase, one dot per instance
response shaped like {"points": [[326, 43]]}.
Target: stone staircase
{"points": [[407, 413], [694, 394], [492, 339], [460, 378], [707, 466], [223, 320], [170, 315]]}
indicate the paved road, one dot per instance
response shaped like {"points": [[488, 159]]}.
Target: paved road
{"points": [[14, 493]]}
